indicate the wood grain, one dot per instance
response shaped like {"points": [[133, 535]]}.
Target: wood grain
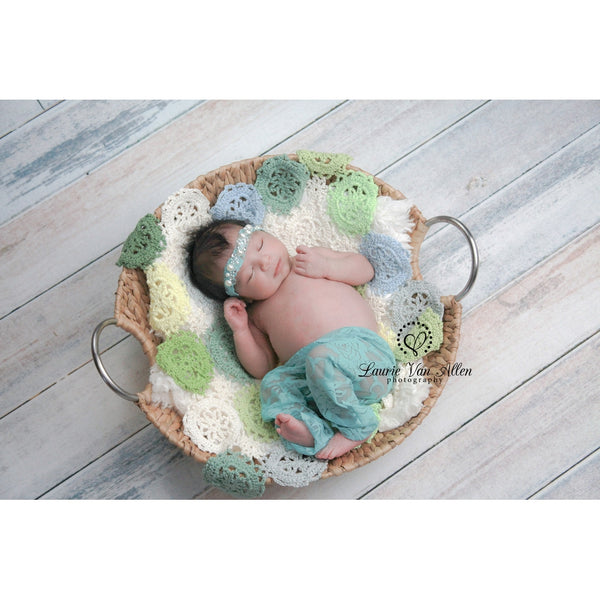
{"points": [[580, 482], [522, 175], [66, 143], [466, 164], [521, 224], [70, 425], [50, 335], [517, 446], [14, 113]]}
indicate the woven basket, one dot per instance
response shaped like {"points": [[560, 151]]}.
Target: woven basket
{"points": [[133, 302]]}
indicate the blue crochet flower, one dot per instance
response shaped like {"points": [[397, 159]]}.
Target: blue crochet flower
{"points": [[390, 261], [411, 301], [240, 201]]}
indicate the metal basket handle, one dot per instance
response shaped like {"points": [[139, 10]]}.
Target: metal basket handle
{"points": [[472, 246], [110, 382]]}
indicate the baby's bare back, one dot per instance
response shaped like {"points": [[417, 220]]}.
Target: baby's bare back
{"points": [[304, 309]]}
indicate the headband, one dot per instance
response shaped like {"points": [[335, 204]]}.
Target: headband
{"points": [[236, 260]]}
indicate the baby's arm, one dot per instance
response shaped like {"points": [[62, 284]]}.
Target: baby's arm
{"points": [[348, 267], [251, 345]]}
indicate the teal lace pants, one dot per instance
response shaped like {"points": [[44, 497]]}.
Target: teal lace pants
{"points": [[324, 385]]}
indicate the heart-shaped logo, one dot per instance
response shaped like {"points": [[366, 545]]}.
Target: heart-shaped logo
{"points": [[415, 342]]}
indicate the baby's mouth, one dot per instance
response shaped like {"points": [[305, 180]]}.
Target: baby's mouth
{"points": [[277, 268]]}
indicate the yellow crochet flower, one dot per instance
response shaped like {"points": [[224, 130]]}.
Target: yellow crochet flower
{"points": [[169, 300], [390, 337]]}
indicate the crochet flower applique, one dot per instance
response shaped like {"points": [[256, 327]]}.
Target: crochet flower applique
{"points": [[281, 181], [143, 245], [424, 335], [390, 260], [240, 201], [352, 201], [185, 358], [235, 474], [169, 300], [221, 347], [323, 164]]}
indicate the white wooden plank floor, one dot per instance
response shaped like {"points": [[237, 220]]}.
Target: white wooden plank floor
{"points": [[524, 176]]}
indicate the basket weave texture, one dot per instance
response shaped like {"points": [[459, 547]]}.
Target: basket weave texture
{"points": [[133, 302]]}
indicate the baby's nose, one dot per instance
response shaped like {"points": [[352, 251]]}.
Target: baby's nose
{"points": [[265, 262]]}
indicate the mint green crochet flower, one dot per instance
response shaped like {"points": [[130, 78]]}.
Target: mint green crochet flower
{"points": [[143, 245], [281, 181], [323, 164], [424, 336], [247, 404], [351, 202], [235, 474], [184, 358]]}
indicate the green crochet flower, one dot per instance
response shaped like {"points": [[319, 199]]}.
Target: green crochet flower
{"points": [[235, 474], [281, 181], [143, 245], [184, 357], [351, 202], [323, 164], [247, 403], [377, 410], [424, 336], [221, 347]]}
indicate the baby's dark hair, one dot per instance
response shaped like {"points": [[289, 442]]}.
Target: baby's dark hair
{"points": [[207, 246]]}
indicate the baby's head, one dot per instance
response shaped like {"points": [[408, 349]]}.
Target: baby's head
{"points": [[232, 258]]}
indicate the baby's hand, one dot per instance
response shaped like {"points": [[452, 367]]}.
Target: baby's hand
{"points": [[235, 313], [312, 262]]}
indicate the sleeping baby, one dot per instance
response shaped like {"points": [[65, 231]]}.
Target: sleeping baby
{"points": [[300, 326]]}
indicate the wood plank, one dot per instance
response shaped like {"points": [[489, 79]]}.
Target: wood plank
{"points": [[556, 296], [96, 214], [470, 162], [377, 133], [66, 143], [50, 336], [581, 482], [70, 425], [145, 466], [520, 225], [519, 444], [46, 104], [524, 183], [14, 113]]}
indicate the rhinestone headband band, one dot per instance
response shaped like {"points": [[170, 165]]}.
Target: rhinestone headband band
{"points": [[237, 258]]}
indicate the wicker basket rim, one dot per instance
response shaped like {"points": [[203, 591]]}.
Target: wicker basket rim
{"points": [[133, 301]]}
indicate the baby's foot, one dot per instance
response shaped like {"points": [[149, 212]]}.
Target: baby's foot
{"points": [[293, 430], [337, 446]]}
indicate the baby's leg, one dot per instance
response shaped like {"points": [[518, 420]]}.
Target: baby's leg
{"points": [[334, 394], [284, 399]]}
